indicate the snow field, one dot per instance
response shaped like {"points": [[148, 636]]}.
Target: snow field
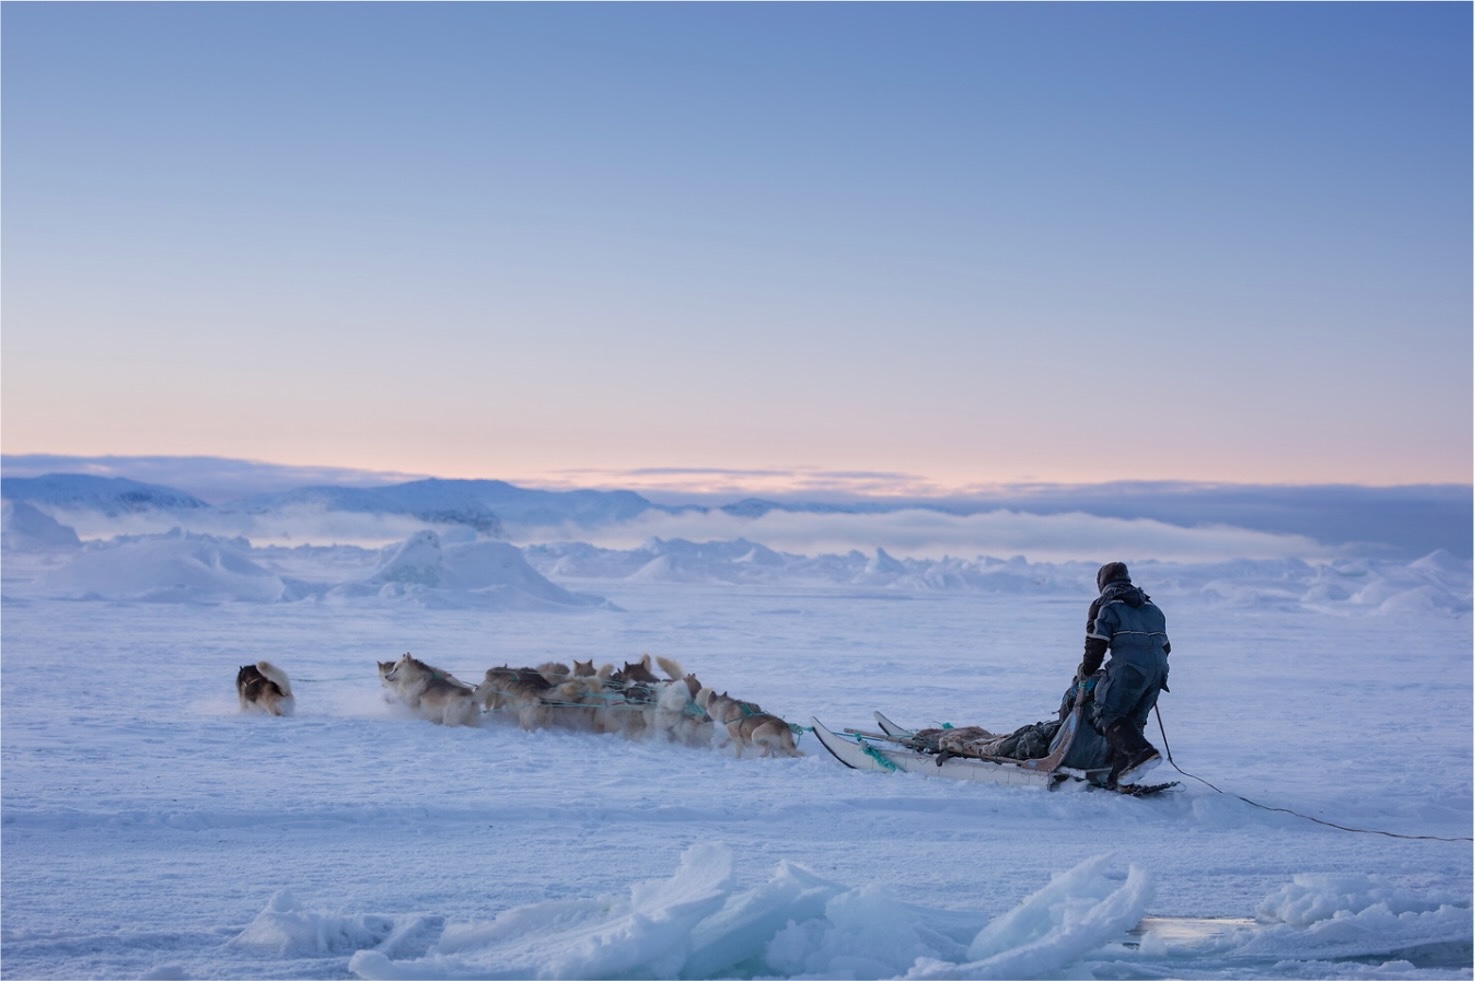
{"points": [[149, 828]]}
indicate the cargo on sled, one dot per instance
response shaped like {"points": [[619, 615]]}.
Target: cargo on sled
{"points": [[1045, 754]]}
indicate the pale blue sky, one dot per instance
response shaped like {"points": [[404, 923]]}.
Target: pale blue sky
{"points": [[932, 245]]}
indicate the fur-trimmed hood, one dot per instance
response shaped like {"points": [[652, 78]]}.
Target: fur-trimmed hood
{"points": [[1125, 592]]}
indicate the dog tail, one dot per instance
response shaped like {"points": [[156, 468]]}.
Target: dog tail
{"points": [[673, 669], [275, 675]]}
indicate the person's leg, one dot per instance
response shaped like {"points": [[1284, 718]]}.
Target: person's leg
{"points": [[1124, 699]]}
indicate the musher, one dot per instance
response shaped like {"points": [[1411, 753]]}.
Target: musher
{"points": [[1126, 621]]}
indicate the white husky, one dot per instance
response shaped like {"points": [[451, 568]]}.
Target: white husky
{"points": [[677, 714]]}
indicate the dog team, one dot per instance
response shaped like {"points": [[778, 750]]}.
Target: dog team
{"points": [[631, 701]]}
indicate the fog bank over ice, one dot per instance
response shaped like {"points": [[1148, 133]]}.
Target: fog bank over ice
{"points": [[928, 534], [916, 533]]}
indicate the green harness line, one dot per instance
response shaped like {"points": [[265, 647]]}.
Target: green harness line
{"points": [[749, 709], [875, 754]]}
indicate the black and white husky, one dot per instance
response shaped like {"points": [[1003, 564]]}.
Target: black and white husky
{"points": [[263, 687]]}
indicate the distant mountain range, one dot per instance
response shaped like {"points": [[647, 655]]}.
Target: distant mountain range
{"points": [[109, 495], [1408, 521], [482, 505]]}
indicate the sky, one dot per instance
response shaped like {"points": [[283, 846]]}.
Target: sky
{"points": [[899, 248]]}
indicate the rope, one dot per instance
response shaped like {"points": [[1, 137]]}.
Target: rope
{"points": [[1286, 810], [875, 754]]}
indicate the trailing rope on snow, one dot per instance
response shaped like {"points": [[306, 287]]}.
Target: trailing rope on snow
{"points": [[1286, 810]]}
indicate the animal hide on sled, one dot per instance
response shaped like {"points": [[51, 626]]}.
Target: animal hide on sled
{"points": [[1029, 742]]}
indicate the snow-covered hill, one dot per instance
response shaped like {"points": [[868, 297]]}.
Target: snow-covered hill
{"points": [[436, 502], [168, 568], [488, 506], [108, 495], [484, 574], [186, 568], [492, 508]]}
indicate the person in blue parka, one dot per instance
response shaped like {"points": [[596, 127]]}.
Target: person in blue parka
{"points": [[1124, 620]]}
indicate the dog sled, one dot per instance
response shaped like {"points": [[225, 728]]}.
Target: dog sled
{"points": [[1075, 756]]}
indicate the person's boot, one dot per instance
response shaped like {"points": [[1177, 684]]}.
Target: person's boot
{"points": [[1132, 756]]}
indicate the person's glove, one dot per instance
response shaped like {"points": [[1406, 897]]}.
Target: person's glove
{"points": [[1087, 686]]}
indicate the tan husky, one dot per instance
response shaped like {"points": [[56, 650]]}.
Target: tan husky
{"points": [[769, 733], [723, 708], [435, 695], [264, 686], [748, 725]]}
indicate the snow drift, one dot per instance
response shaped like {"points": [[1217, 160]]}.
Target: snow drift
{"points": [[697, 924], [172, 568], [24, 528], [186, 568], [482, 573]]}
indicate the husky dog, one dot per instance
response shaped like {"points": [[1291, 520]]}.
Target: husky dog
{"points": [[584, 669], [637, 673], [623, 711], [553, 672], [264, 686], [767, 732], [435, 695], [748, 725], [574, 703], [723, 708], [679, 716], [519, 691]]}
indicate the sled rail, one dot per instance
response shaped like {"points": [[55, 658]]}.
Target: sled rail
{"points": [[889, 751]]}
